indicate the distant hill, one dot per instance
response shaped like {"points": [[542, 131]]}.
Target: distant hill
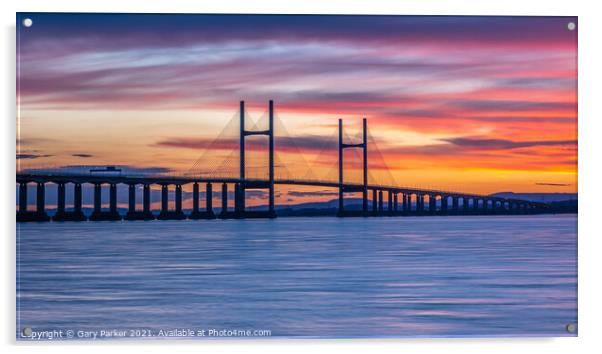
{"points": [[538, 197]]}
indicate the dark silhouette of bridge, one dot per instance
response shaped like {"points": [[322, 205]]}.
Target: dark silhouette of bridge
{"points": [[400, 201]]}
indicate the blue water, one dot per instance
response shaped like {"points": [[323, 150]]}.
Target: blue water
{"points": [[299, 277]]}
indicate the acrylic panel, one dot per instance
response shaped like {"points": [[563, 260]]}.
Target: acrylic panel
{"points": [[203, 176]]}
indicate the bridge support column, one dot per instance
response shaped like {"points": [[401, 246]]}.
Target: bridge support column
{"points": [[131, 198], [60, 202], [444, 204], [195, 198], [39, 214], [465, 205], [179, 212], [365, 166], [272, 210], [365, 200], [395, 203], [22, 197], [164, 199], [404, 202], [209, 201], [380, 201], [97, 211], [98, 214], [40, 191], [374, 201], [78, 214], [341, 193], [77, 198], [132, 214], [224, 212], [196, 212], [165, 213], [420, 203], [390, 202], [455, 205], [240, 189], [239, 193], [97, 198], [432, 204], [146, 198], [364, 187], [113, 202], [113, 197], [41, 202], [237, 211]]}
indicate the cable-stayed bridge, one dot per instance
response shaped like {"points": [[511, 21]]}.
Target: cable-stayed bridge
{"points": [[226, 164]]}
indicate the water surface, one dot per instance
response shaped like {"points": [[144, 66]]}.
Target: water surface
{"points": [[304, 277]]}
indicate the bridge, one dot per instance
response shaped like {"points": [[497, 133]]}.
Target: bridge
{"points": [[400, 201]]}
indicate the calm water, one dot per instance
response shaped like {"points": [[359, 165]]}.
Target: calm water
{"points": [[325, 277]]}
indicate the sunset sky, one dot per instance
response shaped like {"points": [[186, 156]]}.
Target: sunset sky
{"points": [[477, 104]]}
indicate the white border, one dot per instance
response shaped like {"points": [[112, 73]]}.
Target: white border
{"points": [[590, 115]]}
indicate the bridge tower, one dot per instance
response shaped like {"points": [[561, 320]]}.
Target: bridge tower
{"points": [[364, 188], [244, 184]]}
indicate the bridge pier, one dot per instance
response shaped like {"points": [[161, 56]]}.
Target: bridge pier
{"points": [[60, 198], [390, 202], [113, 198], [238, 211], [22, 197], [432, 204], [39, 214], [179, 198], [224, 214], [417, 204], [60, 202], [404, 203], [41, 201], [97, 198], [132, 198], [465, 205], [134, 214], [196, 213], [167, 214], [374, 201], [78, 214], [365, 200], [455, 205], [98, 214], [61, 213], [395, 204], [380, 201]]}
